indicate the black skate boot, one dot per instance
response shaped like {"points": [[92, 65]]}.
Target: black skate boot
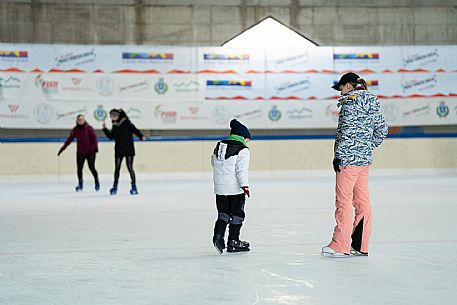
{"points": [[237, 246], [113, 190], [97, 186], [219, 243], [79, 187], [133, 190]]}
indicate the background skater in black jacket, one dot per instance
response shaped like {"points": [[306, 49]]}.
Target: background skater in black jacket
{"points": [[122, 133]]}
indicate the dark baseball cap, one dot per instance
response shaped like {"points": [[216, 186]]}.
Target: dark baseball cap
{"points": [[349, 77]]}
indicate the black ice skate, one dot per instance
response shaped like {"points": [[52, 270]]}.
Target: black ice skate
{"points": [[219, 243], [237, 246], [79, 187], [113, 190], [133, 190]]}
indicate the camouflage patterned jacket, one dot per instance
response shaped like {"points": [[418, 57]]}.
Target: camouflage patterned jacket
{"points": [[361, 128]]}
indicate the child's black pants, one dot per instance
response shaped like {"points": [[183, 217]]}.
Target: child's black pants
{"points": [[230, 210]]}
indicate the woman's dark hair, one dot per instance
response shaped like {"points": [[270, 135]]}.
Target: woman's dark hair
{"points": [[120, 112], [361, 84], [79, 116], [123, 114]]}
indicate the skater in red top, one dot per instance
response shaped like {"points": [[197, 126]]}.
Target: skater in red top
{"points": [[86, 149]]}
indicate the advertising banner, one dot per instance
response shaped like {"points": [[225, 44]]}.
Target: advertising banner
{"points": [[183, 87]]}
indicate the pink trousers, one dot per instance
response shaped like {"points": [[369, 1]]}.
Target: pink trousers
{"points": [[352, 192]]}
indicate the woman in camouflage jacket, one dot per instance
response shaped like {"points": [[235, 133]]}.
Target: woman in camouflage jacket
{"points": [[361, 128]]}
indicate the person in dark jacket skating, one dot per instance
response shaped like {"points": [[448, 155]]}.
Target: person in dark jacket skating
{"points": [[122, 133], [86, 149]]}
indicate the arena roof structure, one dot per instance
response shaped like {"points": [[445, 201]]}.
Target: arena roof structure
{"points": [[269, 33]]}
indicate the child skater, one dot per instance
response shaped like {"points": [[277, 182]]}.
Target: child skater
{"points": [[230, 161], [122, 134], [86, 148], [361, 128]]}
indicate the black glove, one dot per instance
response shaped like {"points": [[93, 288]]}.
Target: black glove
{"points": [[336, 165]]}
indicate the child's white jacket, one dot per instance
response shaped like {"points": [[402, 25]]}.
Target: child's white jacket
{"points": [[230, 162]]}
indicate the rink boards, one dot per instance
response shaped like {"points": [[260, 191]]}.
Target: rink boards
{"points": [[164, 87]]}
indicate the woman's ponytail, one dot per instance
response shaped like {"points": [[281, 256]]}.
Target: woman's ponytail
{"points": [[123, 114], [362, 83]]}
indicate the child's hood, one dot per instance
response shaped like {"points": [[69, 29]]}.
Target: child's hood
{"points": [[228, 148]]}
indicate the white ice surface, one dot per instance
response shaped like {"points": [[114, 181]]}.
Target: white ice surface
{"points": [[58, 247]]}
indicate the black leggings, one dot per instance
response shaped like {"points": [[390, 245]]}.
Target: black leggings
{"points": [[117, 170], [230, 210], [80, 159]]}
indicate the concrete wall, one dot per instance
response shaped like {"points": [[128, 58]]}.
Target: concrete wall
{"points": [[41, 159], [211, 22]]}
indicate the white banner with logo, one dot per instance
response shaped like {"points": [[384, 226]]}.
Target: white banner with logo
{"points": [[179, 87]]}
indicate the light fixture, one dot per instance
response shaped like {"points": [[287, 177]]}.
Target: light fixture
{"points": [[269, 33]]}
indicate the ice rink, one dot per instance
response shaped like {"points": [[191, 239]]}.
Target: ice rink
{"points": [[58, 247]]}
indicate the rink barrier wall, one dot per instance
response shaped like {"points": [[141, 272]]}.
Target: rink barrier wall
{"points": [[179, 155], [216, 138]]}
